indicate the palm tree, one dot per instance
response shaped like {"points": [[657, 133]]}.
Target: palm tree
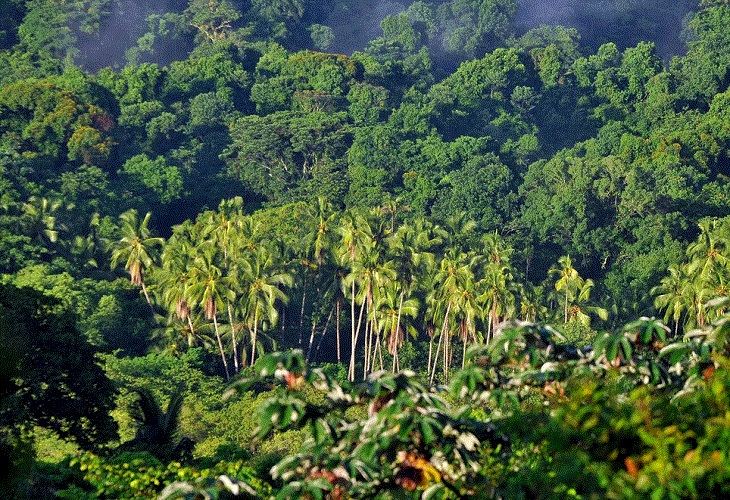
{"points": [[136, 248], [457, 290], [710, 251], [392, 312], [668, 296], [410, 250], [459, 230], [262, 278], [211, 291], [157, 429], [569, 281], [496, 284], [496, 295], [39, 219]]}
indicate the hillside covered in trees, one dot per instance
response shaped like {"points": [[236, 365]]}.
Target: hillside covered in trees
{"points": [[443, 248]]}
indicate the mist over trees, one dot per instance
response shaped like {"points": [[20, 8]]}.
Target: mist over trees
{"points": [[418, 188]]}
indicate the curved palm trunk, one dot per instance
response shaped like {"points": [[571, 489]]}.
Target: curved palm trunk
{"points": [[311, 339], [220, 346], [396, 361], [438, 346], [233, 338], [147, 296], [191, 338], [355, 335], [351, 368], [430, 349]]}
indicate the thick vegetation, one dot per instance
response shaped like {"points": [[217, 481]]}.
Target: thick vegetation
{"points": [[398, 214]]}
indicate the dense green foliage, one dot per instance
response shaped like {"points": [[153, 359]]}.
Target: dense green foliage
{"points": [[189, 186]]}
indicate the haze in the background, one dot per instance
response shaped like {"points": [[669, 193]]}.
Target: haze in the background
{"points": [[353, 29], [624, 22]]}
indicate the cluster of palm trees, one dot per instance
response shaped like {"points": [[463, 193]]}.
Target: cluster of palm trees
{"points": [[686, 295], [224, 283]]}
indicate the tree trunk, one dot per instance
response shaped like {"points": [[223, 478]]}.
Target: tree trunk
{"points": [[233, 338], [397, 329], [253, 337], [311, 339], [339, 305], [324, 331], [220, 346], [441, 338], [147, 298], [191, 338], [356, 335]]}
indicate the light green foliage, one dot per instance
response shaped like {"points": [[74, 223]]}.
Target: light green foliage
{"points": [[312, 81], [54, 118], [213, 19], [322, 36], [157, 175]]}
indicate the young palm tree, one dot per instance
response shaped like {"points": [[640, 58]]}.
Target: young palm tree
{"points": [[668, 296], [569, 281], [39, 219], [156, 428], [710, 252], [136, 248]]}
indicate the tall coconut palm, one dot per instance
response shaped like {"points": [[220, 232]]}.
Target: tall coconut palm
{"points": [[262, 278], [211, 292], [370, 274], [392, 313], [137, 248], [457, 290], [496, 295], [411, 250], [498, 290]]}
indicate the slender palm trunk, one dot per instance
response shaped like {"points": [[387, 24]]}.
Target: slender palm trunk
{"points": [[463, 354], [436, 357], [380, 355], [495, 320], [147, 297], [324, 331], [368, 345], [397, 329], [430, 349], [351, 368], [233, 338], [220, 346], [355, 336], [301, 313], [339, 357], [311, 338], [375, 346], [253, 336], [191, 337], [441, 339]]}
